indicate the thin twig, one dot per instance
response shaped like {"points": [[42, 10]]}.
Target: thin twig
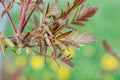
{"points": [[110, 50], [22, 28], [22, 16], [11, 21]]}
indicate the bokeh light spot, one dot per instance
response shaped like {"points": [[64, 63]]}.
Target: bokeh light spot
{"points": [[20, 61], [36, 62], [109, 62], [69, 51], [64, 73]]}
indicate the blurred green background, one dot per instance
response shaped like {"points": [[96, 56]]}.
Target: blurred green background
{"points": [[92, 62]]}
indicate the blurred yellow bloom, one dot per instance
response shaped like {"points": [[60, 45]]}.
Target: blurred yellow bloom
{"points": [[69, 51], [63, 73], [36, 62], [20, 61], [109, 62]]}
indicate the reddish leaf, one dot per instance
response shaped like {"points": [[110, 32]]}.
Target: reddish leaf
{"points": [[59, 29], [67, 62], [85, 38], [83, 15], [78, 23], [36, 21], [89, 12], [54, 10], [64, 35]]}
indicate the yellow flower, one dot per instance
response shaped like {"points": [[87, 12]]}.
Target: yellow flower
{"points": [[20, 61], [69, 51], [63, 73], [109, 62], [36, 62]]}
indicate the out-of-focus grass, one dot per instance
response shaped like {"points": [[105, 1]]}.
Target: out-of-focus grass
{"points": [[104, 25]]}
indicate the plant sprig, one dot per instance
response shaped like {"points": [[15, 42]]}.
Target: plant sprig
{"points": [[50, 30]]}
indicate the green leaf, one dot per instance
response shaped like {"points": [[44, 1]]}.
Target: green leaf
{"points": [[9, 42], [2, 46], [14, 49]]}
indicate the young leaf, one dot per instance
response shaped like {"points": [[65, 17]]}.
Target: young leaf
{"points": [[83, 15], [59, 29], [70, 43], [54, 10], [72, 7], [47, 9], [9, 42], [14, 49], [88, 12], [78, 2], [85, 38], [64, 35], [2, 46], [10, 5], [36, 21], [69, 63], [78, 23]]}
